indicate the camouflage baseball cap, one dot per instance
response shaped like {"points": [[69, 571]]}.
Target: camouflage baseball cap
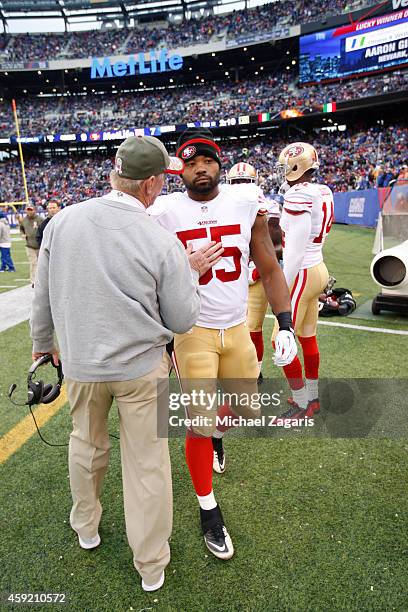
{"points": [[139, 157]]}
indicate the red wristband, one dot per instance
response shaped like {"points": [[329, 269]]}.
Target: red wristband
{"points": [[255, 275]]}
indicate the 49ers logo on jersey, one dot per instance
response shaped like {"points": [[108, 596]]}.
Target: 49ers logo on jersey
{"points": [[294, 151], [188, 152]]}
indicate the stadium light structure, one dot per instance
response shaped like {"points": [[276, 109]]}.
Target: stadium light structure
{"points": [[127, 12]]}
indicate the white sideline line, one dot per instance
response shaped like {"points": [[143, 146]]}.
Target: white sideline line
{"points": [[379, 330], [15, 306], [382, 330]]}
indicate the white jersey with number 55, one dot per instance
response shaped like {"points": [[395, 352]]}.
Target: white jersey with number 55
{"points": [[228, 219], [307, 216]]}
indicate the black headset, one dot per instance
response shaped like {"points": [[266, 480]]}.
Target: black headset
{"points": [[38, 391]]}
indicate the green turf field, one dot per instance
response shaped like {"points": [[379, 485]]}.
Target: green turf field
{"points": [[317, 524], [12, 280]]}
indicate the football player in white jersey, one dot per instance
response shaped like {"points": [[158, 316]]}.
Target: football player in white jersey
{"points": [[307, 216], [219, 346], [257, 300]]}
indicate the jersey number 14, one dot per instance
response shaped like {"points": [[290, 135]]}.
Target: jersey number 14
{"points": [[327, 222]]}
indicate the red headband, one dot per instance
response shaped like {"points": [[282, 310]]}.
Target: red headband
{"points": [[211, 143]]}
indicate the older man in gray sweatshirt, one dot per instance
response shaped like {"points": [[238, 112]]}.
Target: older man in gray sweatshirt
{"points": [[115, 287]]}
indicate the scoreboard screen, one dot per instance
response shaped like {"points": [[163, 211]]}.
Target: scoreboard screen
{"points": [[361, 47]]}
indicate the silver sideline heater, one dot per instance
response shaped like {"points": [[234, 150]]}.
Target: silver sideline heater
{"points": [[389, 270]]}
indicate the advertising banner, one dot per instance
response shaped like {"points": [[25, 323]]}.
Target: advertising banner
{"points": [[357, 207]]}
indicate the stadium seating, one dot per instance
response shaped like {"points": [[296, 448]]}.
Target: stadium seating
{"points": [[28, 47], [349, 160], [218, 100]]}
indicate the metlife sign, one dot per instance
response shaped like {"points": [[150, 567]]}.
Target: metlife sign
{"points": [[158, 61]]}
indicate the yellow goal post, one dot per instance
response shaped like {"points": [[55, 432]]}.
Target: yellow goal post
{"points": [[21, 156]]}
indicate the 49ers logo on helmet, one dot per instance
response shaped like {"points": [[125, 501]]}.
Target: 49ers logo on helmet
{"points": [[294, 151], [188, 152]]}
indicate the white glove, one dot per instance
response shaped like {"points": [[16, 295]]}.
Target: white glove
{"points": [[284, 188], [285, 348], [253, 275]]}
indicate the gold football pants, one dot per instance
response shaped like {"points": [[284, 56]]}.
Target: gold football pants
{"points": [[204, 356], [308, 285], [257, 306]]}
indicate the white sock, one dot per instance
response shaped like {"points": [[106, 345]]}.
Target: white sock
{"points": [[300, 397], [218, 434], [312, 387], [207, 502], [260, 365]]}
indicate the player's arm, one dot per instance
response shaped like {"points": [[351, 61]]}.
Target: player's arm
{"points": [[21, 228], [264, 257], [40, 232], [275, 233], [276, 289], [295, 245]]}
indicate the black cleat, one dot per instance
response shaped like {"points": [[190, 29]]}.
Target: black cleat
{"points": [[260, 378], [219, 456], [216, 536], [295, 412]]}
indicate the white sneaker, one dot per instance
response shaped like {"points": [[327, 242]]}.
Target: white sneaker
{"points": [[89, 544], [153, 587], [218, 455], [218, 463]]}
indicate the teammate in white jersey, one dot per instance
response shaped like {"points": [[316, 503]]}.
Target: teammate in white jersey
{"points": [[307, 217], [219, 346], [257, 300]]}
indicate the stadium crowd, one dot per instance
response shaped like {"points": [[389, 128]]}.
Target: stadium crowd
{"points": [[259, 20], [178, 105], [349, 160], [168, 106]]}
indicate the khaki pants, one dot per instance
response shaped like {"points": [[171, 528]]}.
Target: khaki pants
{"points": [[146, 473], [32, 256]]}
